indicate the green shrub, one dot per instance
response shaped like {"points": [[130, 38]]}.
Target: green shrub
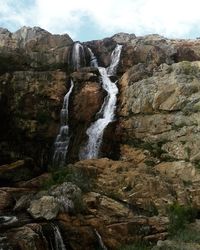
{"points": [[76, 176], [187, 235], [141, 245], [188, 68], [180, 216]]}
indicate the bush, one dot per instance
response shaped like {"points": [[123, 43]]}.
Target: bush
{"points": [[180, 216], [137, 246], [187, 235], [69, 174]]}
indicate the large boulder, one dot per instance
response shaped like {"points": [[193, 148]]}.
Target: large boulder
{"points": [[66, 197], [46, 207]]}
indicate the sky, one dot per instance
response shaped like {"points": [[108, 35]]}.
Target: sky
{"points": [[86, 20]]}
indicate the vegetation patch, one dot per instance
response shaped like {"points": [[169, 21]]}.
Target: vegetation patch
{"points": [[155, 148], [179, 217], [140, 245], [189, 69], [70, 174]]}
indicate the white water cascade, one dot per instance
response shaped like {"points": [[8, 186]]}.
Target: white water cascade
{"points": [[115, 57], [7, 220], [107, 112], [59, 244], [78, 56], [62, 140], [93, 59], [101, 244]]}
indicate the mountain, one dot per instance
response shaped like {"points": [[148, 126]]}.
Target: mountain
{"points": [[147, 161]]}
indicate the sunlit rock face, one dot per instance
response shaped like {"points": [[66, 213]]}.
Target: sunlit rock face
{"points": [[152, 146]]}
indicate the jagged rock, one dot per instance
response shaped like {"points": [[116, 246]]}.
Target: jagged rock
{"points": [[46, 207], [123, 38], [156, 138], [102, 49], [6, 200], [27, 238], [166, 118], [35, 183], [34, 47], [174, 245], [23, 202], [183, 170], [17, 171], [32, 113], [66, 197], [87, 93]]}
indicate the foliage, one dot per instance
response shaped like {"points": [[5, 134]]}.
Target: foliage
{"points": [[189, 69], [187, 235], [69, 174], [149, 162], [141, 245], [180, 216], [197, 164], [155, 148]]}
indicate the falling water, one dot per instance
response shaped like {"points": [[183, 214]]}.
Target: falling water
{"points": [[115, 57], [95, 131], [78, 56], [62, 140], [101, 244], [7, 220], [4, 243], [93, 59], [52, 235], [59, 244]]}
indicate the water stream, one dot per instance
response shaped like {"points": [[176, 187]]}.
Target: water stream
{"points": [[101, 243], [78, 56], [93, 59], [107, 111], [62, 140], [59, 244]]}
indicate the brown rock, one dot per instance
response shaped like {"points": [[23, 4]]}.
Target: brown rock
{"points": [[89, 96], [25, 238], [17, 171], [6, 200], [35, 183]]}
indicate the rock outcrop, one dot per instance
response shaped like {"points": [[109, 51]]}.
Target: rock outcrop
{"points": [[154, 142], [33, 82]]}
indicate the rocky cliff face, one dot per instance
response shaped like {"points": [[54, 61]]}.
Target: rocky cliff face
{"points": [[153, 143], [33, 82]]}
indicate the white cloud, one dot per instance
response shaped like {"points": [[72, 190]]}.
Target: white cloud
{"points": [[172, 18]]}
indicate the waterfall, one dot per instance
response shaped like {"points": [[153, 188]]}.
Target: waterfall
{"points": [[107, 111], [59, 244], [115, 57], [78, 56], [4, 243], [52, 235], [62, 140], [93, 59], [101, 244], [7, 220]]}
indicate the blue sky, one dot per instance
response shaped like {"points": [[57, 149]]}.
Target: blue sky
{"points": [[91, 19]]}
